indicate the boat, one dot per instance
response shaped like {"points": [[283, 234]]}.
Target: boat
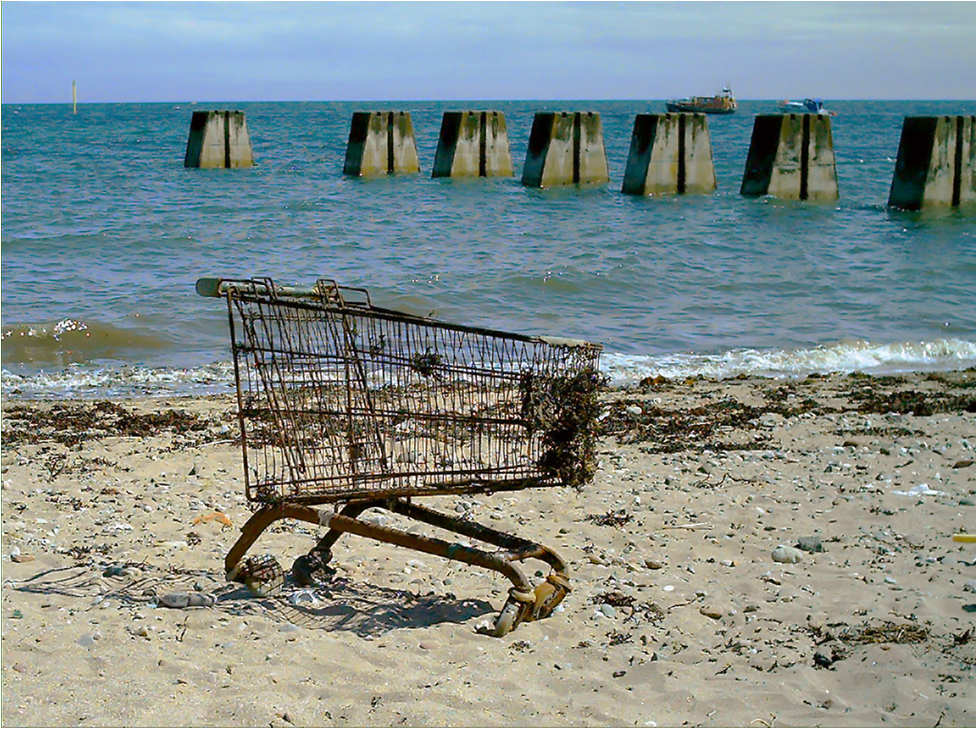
{"points": [[808, 106], [723, 103]]}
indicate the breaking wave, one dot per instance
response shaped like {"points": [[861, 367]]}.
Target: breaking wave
{"points": [[70, 341], [78, 381], [861, 356]]}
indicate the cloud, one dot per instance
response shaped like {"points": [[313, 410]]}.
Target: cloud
{"points": [[339, 50]]}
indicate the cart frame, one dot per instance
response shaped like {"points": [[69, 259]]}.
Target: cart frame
{"points": [[344, 403]]}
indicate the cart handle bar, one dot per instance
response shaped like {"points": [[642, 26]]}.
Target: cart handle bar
{"points": [[218, 287]]}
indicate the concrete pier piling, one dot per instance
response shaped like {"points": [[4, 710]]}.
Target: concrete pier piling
{"points": [[565, 149], [792, 157], [670, 153], [218, 139], [935, 166], [473, 144], [380, 143]]}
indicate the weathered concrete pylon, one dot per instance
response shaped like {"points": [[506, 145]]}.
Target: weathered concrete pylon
{"points": [[565, 149], [935, 166], [218, 139], [670, 153], [792, 157], [381, 142], [473, 144]]}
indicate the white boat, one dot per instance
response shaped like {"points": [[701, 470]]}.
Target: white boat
{"points": [[808, 106]]}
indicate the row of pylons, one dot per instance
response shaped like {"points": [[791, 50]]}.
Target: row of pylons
{"points": [[791, 156]]}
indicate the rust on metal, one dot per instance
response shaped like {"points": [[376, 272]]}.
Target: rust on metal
{"points": [[341, 402]]}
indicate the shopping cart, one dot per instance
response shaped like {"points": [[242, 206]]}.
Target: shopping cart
{"points": [[344, 403]]}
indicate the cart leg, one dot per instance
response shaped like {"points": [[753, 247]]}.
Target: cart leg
{"points": [[352, 510], [312, 569]]}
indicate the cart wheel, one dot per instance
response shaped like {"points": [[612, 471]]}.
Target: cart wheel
{"points": [[549, 594], [313, 570], [507, 618], [262, 575], [546, 600]]}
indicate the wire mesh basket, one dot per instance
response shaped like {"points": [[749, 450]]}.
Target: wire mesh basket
{"points": [[343, 401]]}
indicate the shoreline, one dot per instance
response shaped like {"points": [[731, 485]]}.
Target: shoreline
{"points": [[90, 382], [679, 613]]}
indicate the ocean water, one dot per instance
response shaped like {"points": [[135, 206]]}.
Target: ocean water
{"points": [[104, 233]]}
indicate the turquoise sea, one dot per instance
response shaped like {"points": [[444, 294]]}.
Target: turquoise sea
{"points": [[104, 233]]}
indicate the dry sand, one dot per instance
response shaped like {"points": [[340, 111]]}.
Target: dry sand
{"points": [[680, 616]]}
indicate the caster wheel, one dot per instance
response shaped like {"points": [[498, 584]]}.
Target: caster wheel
{"points": [[313, 570], [507, 619], [549, 595], [263, 576]]}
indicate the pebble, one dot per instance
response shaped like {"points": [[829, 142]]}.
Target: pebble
{"points": [[770, 420], [22, 558], [119, 570], [786, 555], [87, 641], [116, 528], [810, 544], [186, 599], [608, 610], [711, 612], [912, 540]]}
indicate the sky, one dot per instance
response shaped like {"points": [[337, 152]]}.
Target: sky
{"points": [[324, 51]]}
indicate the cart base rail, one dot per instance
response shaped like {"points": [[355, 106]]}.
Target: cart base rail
{"points": [[525, 603]]}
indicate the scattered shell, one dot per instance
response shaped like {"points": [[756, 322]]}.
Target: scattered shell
{"points": [[711, 612]]}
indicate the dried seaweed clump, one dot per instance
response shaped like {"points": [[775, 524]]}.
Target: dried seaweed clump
{"points": [[895, 394], [886, 632], [565, 410], [913, 403], [610, 518], [71, 424], [678, 430]]}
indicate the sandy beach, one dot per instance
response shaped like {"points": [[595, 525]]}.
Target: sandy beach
{"points": [[751, 552]]}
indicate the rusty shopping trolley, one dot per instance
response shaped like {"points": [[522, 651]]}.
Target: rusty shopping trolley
{"points": [[346, 404]]}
